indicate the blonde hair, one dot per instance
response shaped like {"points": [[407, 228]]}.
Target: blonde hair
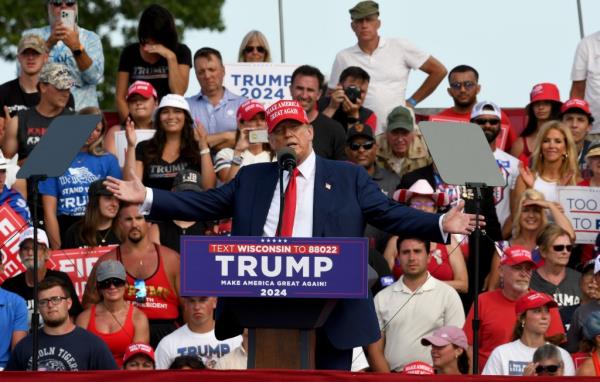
{"points": [[97, 147], [262, 40], [548, 235], [529, 194], [570, 160]]}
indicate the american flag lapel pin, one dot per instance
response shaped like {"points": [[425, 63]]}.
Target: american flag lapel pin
{"points": [[328, 186]]}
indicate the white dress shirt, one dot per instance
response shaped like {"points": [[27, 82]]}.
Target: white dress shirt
{"points": [[305, 191]]}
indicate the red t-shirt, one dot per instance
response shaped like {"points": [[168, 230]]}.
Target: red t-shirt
{"points": [[439, 265], [505, 125], [497, 317]]}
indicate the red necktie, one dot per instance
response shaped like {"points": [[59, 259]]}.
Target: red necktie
{"points": [[289, 209]]}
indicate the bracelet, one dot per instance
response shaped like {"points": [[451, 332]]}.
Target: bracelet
{"points": [[205, 151], [237, 161], [412, 101]]}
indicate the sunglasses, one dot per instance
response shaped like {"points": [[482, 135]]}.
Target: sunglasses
{"points": [[483, 121], [467, 84], [106, 284], [562, 247], [355, 146], [250, 49], [547, 369], [58, 3]]}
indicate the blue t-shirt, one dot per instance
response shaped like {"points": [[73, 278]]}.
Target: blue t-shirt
{"points": [[75, 351], [13, 317], [71, 188]]}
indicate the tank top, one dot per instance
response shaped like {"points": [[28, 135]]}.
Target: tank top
{"points": [[596, 361], [118, 341], [161, 299], [546, 188], [439, 265], [525, 154]]}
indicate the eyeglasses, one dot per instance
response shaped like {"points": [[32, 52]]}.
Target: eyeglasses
{"points": [[54, 300], [547, 369], [355, 146], [422, 204], [106, 284], [58, 3], [562, 247], [250, 49], [483, 121], [467, 84]]}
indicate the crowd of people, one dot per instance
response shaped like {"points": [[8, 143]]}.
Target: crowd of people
{"points": [[194, 162]]}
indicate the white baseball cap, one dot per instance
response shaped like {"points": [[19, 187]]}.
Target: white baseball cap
{"points": [[173, 100], [597, 264], [483, 108], [28, 234]]}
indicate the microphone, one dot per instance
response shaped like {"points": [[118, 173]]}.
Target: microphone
{"points": [[286, 159]]}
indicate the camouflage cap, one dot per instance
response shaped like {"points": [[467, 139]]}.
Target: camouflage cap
{"points": [[32, 41], [364, 9], [57, 75]]}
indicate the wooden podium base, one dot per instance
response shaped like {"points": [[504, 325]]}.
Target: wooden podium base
{"points": [[281, 349]]}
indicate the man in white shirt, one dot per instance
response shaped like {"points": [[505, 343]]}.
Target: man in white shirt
{"points": [[585, 75], [197, 337], [410, 309], [388, 62]]}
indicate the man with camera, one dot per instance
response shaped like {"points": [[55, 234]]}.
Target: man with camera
{"points": [[345, 103]]}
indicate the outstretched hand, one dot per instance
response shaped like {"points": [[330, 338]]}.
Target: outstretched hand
{"points": [[131, 191], [456, 221]]}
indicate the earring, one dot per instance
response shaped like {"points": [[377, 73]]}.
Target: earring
{"points": [[565, 156], [522, 324]]}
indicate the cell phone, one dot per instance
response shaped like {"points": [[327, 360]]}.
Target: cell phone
{"points": [[258, 136], [67, 16]]}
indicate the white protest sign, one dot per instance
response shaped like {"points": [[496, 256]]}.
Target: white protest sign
{"points": [[265, 82], [121, 142], [582, 207]]}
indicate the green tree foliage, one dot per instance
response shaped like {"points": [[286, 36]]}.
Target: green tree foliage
{"points": [[108, 18]]}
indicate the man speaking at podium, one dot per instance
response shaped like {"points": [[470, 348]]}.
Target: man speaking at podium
{"points": [[323, 198]]}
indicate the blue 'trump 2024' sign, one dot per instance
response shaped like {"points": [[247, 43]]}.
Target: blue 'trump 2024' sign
{"points": [[243, 266]]}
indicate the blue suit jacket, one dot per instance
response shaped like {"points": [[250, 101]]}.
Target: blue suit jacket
{"points": [[345, 199]]}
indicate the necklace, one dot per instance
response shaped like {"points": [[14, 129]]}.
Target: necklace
{"points": [[103, 237]]}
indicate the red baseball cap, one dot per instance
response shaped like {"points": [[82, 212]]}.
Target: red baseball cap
{"points": [[135, 349], [515, 255], [544, 92], [532, 300], [143, 88], [283, 110], [418, 368], [249, 109], [576, 103]]}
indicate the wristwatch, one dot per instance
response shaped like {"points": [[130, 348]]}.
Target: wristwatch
{"points": [[79, 51], [237, 160]]}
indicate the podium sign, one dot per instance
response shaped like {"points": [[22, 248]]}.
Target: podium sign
{"points": [[274, 267]]}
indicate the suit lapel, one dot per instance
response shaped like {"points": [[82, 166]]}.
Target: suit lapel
{"points": [[323, 197], [262, 199]]}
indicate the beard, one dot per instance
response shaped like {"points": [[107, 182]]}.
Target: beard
{"points": [[490, 135], [54, 323]]}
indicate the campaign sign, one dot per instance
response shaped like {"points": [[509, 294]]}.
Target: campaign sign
{"points": [[11, 226], [121, 142], [265, 82], [274, 267], [77, 263], [582, 207]]}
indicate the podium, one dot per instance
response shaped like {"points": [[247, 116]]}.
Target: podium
{"points": [[280, 289]]}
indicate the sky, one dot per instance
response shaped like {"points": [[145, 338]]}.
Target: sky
{"points": [[514, 44]]}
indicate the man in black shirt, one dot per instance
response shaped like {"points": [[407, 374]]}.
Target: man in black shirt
{"points": [[22, 284], [329, 136], [345, 103], [22, 93]]}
